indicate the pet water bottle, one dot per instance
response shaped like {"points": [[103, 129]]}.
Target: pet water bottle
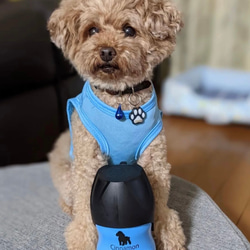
{"points": [[122, 208]]}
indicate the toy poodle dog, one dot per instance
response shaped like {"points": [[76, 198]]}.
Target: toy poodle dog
{"points": [[114, 45]]}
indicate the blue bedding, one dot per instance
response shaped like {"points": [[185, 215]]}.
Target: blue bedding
{"points": [[220, 96]]}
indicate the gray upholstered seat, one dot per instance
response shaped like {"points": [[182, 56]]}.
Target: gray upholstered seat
{"points": [[30, 217]]}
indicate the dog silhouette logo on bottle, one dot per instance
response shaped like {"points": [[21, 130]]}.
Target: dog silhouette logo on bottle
{"points": [[123, 240], [122, 208]]}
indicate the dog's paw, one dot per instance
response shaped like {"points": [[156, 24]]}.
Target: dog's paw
{"points": [[137, 115]]}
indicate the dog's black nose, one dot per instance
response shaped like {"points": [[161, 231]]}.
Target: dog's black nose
{"points": [[107, 53]]}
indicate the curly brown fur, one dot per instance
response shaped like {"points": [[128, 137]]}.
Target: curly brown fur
{"points": [[156, 23]]}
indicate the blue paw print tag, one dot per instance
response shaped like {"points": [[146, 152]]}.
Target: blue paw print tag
{"points": [[137, 116]]}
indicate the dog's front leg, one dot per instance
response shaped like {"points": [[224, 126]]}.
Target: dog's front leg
{"points": [[81, 233], [168, 232]]}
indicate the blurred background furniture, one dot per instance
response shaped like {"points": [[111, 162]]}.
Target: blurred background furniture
{"points": [[35, 82], [219, 96]]}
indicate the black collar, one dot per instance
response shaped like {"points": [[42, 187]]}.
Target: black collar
{"points": [[136, 88]]}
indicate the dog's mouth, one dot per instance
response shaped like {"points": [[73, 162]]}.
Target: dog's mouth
{"points": [[108, 68]]}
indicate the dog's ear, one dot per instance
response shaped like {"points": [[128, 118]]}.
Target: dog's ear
{"points": [[163, 20], [63, 25]]}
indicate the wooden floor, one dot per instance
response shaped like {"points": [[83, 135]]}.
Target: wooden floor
{"points": [[217, 159]]}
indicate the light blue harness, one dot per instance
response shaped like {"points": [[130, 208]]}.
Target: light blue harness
{"points": [[120, 140]]}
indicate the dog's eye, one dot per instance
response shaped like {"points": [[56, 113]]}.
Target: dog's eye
{"points": [[93, 31], [129, 31]]}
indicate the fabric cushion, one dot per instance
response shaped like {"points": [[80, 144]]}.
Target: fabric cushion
{"points": [[30, 217]]}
